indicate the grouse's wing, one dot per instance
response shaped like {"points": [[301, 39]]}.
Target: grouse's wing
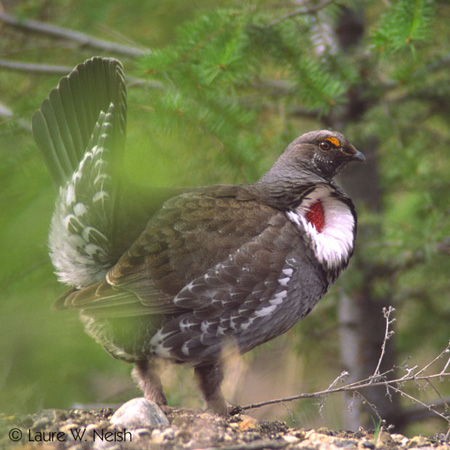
{"points": [[205, 255], [191, 233], [255, 294]]}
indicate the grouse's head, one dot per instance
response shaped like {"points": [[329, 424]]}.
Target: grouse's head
{"points": [[320, 153]]}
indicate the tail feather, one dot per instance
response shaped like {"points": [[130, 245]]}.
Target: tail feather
{"points": [[63, 125], [82, 231], [80, 130]]}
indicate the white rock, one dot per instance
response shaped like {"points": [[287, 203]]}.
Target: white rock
{"points": [[139, 413]]}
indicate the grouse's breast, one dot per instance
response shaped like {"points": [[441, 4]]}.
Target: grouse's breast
{"points": [[328, 220]]}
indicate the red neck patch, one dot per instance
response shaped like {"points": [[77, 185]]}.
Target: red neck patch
{"points": [[316, 216]]}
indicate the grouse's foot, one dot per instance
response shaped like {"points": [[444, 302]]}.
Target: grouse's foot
{"points": [[210, 377], [146, 374]]}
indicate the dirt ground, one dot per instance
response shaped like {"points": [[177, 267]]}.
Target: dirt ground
{"points": [[188, 429]]}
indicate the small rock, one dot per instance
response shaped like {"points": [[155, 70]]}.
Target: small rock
{"points": [[418, 441], [44, 418], [248, 422], [76, 447], [290, 439], [140, 432], [139, 413], [399, 439], [168, 434], [68, 426], [159, 436]]}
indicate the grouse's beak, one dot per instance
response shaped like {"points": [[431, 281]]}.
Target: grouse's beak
{"points": [[358, 156]]}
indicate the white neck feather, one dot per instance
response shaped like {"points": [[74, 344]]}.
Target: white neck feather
{"points": [[334, 245]]}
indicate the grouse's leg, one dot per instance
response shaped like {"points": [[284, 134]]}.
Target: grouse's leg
{"points": [[147, 376], [210, 377]]}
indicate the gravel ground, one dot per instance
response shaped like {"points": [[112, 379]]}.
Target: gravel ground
{"points": [[92, 429]]}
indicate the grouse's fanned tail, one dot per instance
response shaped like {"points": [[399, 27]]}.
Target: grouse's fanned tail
{"points": [[80, 130], [63, 125]]}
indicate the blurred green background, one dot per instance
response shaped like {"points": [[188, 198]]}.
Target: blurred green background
{"points": [[226, 86]]}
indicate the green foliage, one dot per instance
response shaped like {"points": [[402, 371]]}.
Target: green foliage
{"points": [[406, 24], [201, 72], [215, 59], [317, 86]]}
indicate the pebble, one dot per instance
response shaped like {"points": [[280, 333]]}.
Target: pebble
{"points": [[139, 413], [247, 423], [290, 439]]}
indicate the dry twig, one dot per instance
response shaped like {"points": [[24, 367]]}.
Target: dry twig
{"points": [[379, 379], [351, 387], [387, 335]]}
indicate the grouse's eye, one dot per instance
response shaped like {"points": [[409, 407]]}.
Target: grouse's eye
{"points": [[325, 145]]}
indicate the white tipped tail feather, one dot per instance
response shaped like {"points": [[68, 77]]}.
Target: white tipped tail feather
{"points": [[79, 240]]}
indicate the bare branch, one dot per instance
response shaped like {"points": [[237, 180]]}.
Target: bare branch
{"points": [[34, 68], [445, 351], [47, 69], [387, 335], [379, 379], [341, 377], [74, 36], [301, 11], [371, 405], [443, 401], [447, 364], [347, 388], [430, 408]]}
